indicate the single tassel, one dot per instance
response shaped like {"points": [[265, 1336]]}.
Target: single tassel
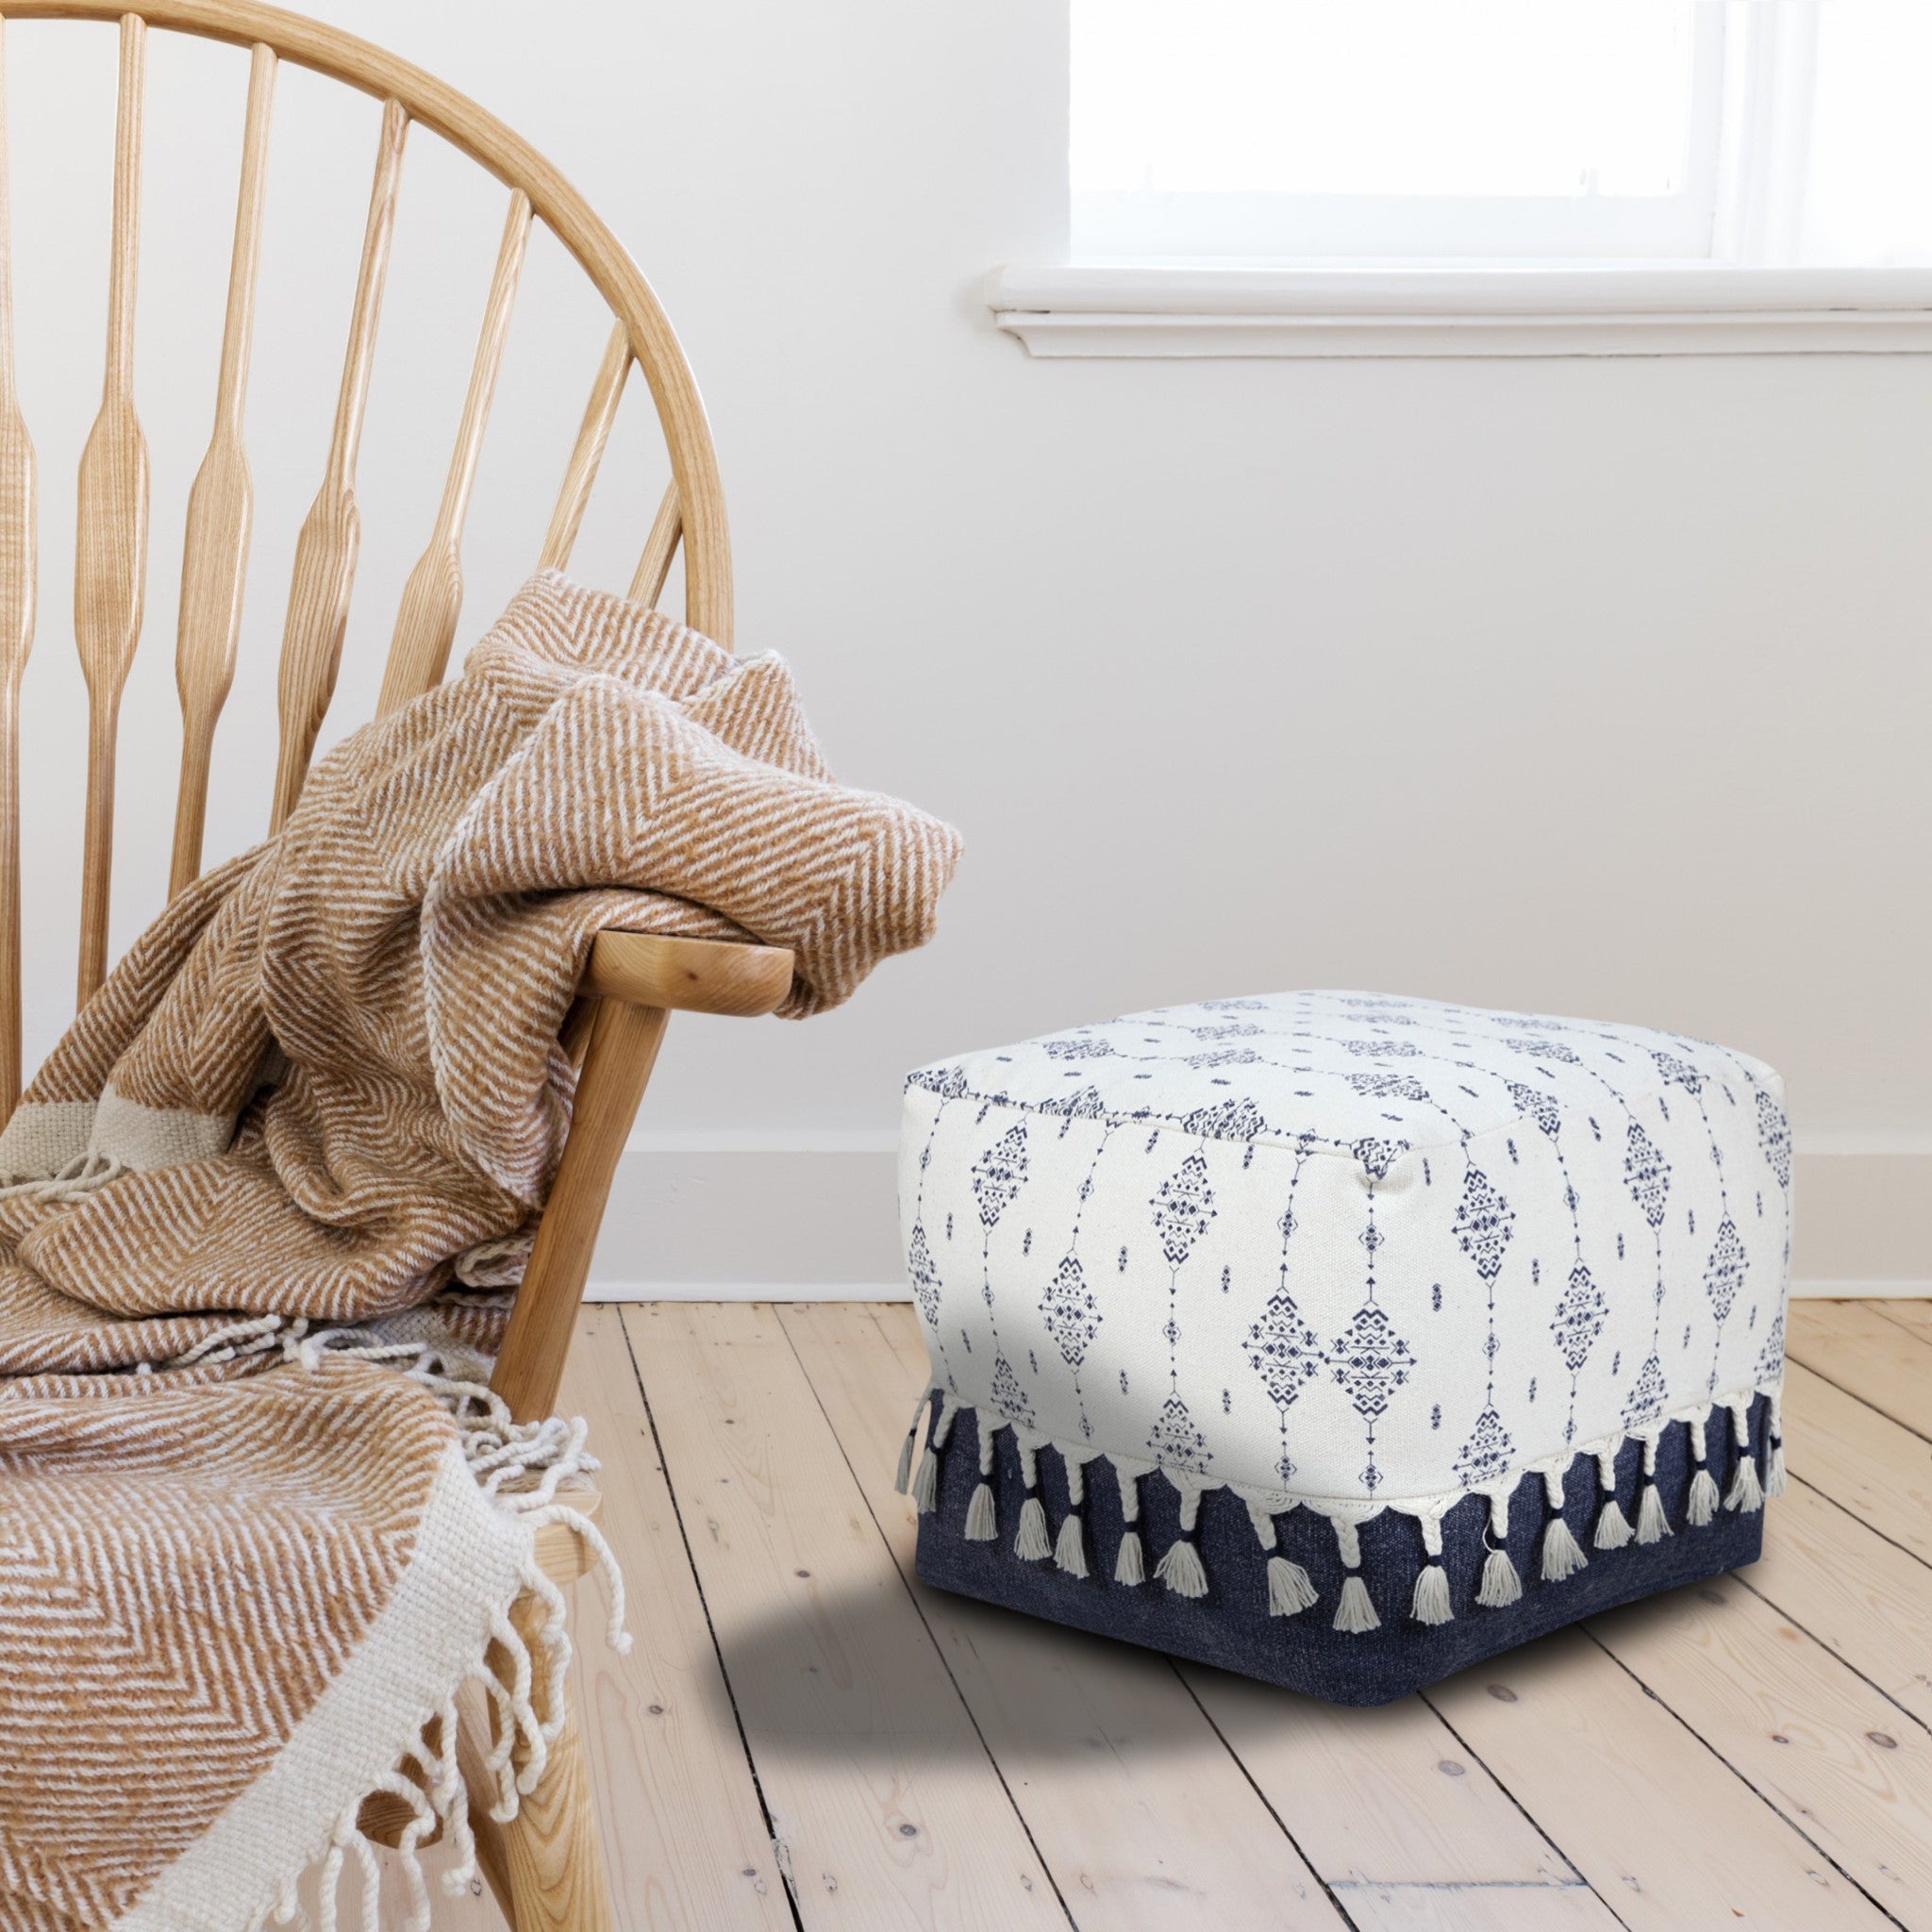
{"points": [[1355, 1613], [1745, 1493], [1290, 1591], [1652, 1525], [980, 1527], [1131, 1565], [1775, 1462], [1702, 1504], [1562, 1554], [925, 1485], [1031, 1545], [1612, 1527], [1430, 1602], [1500, 1586], [1180, 1567], [1069, 1552], [904, 1480], [1288, 1588]]}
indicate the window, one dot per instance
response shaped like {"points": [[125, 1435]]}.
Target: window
{"points": [[1592, 131]]}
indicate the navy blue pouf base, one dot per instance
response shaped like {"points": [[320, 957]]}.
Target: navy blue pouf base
{"points": [[1231, 1627]]}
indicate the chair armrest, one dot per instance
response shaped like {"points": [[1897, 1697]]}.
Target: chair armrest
{"points": [[647, 968]]}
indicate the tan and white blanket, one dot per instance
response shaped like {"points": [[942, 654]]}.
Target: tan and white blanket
{"points": [[259, 1519]]}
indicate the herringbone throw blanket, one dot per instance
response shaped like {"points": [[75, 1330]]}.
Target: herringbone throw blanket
{"points": [[259, 1518]]}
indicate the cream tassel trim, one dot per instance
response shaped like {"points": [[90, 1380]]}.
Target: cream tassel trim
{"points": [[1612, 1526], [1746, 1493], [1069, 1552], [1180, 1567], [925, 1485], [1030, 1545], [1562, 1554], [1501, 1586], [1652, 1525], [1431, 1604], [1702, 1505], [1290, 1591], [902, 1481], [1355, 1613], [980, 1526], [1775, 1462], [1131, 1565]]}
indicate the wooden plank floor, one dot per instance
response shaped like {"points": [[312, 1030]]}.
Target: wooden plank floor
{"points": [[806, 1735]]}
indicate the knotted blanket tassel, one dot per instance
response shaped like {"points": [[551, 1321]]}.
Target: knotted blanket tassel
{"points": [[1501, 1586], [904, 1480], [1431, 1604], [1290, 1591], [1652, 1525], [1180, 1566], [1131, 1565], [1746, 1493], [1563, 1553], [980, 1527], [1030, 1545], [1775, 1462], [1702, 1505], [1069, 1552], [1355, 1613], [1612, 1526], [925, 1485]]}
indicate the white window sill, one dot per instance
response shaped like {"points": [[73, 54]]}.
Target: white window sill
{"points": [[1674, 309]]}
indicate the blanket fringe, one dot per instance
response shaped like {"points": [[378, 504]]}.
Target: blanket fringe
{"points": [[1289, 1586], [521, 1467]]}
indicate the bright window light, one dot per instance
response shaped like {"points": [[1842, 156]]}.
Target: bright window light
{"points": [[1769, 131], [1389, 98]]}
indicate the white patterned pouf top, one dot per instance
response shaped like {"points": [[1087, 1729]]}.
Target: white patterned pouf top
{"points": [[1341, 1246]]}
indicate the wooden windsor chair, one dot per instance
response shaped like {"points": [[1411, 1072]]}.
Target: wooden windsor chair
{"points": [[546, 1868]]}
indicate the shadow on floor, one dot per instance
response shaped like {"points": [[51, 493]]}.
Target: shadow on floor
{"points": [[827, 1673]]}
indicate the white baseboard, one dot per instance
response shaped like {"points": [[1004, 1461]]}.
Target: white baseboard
{"points": [[811, 1214]]}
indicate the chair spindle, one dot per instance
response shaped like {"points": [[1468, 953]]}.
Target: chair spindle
{"points": [[17, 588], [660, 546], [433, 597], [215, 560], [592, 434], [325, 550], [111, 545]]}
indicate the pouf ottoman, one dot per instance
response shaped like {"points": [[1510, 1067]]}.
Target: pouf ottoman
{"points": [[1343, 1340]]}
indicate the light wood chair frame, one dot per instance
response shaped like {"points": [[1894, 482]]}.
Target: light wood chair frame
{"points": [[546, 1868]]}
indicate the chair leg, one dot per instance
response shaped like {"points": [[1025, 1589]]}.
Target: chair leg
{"points": [[556, 1877]]}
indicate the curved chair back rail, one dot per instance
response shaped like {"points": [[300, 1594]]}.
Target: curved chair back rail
{"points": [[642, 976]]}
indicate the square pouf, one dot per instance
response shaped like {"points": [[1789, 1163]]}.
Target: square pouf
{"points": [[1342, 1339]]}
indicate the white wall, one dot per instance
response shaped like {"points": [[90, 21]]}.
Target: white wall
{"points": [[1586, 686]]}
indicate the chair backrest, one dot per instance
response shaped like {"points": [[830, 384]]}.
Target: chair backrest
{"points": [[110, 557]]}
